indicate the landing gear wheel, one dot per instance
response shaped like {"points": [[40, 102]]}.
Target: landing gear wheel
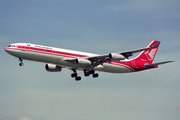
{"points": [[78, 78], [21, 64], [86, 74], [74, 75], [95, 75]]}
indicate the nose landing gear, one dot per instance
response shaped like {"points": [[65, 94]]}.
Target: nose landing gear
{"points": [[21, 63]]}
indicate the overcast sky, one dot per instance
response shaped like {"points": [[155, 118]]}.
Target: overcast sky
{"points": [[95, 26]]}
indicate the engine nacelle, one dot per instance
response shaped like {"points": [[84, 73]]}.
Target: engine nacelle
{"points": [[52, 68], [81, 61], [116, 56]]}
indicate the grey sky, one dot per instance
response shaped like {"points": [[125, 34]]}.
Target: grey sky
{"points": [[96, 26]]}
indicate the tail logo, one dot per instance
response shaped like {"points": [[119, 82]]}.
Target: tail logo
{"points": [[151, 54]]}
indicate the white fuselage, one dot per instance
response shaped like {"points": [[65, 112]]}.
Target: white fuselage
{"points": [[58, 56]]}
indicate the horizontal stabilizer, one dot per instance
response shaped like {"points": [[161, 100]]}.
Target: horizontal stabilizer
{"points": [[155, 64]]}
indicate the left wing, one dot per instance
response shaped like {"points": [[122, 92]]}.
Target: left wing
{"points": [[100, 59], [117, 56], [126, 54]]}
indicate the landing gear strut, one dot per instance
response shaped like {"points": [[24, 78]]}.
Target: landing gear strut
{"points": [[21, 63]]}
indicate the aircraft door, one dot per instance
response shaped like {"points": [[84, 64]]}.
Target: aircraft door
{"points": [[133, 64]]}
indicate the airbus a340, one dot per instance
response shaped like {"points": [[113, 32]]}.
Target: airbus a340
{"points": [[57, 58]]}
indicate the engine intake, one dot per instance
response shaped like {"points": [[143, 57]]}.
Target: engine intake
{"points": [[53, 68], [81, 61], [116, 56]]}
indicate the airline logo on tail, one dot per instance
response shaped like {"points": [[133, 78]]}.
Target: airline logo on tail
{"points": [[151, 54], [148, 55]]}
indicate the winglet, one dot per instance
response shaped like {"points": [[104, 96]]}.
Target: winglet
{"points": [[156, 45]]}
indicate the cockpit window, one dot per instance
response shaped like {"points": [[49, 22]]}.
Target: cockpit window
{"points": [[12, 46]]}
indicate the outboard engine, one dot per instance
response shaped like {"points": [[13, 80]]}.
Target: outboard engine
{"points": [[116, 56]]}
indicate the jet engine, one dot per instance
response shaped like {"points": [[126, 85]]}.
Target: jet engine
{"points": [[52, 68], [82, 61], [116, 56]]}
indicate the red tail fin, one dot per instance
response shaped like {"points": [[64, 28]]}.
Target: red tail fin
{"points": [[148, 55]]}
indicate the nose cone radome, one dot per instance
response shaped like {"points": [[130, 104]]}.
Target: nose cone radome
{"points": [[7, 50]]}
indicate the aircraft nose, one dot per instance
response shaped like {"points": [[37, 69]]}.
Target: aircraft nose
{"points": [[6, 49]]}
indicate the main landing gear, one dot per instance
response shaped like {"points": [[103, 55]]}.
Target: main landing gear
{"points": [[86, 74], [21, 63], [74, 74], [93, 73]]}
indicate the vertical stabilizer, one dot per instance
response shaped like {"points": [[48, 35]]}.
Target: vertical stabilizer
{"points": [[148, 55]]}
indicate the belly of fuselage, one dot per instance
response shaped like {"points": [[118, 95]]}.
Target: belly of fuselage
{"points": [[111, 68]]}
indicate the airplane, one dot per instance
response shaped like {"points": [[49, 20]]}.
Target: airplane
{"points": [[58, 58]]}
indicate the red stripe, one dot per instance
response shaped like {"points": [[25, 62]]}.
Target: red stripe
{"points": [[51, 52]]}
